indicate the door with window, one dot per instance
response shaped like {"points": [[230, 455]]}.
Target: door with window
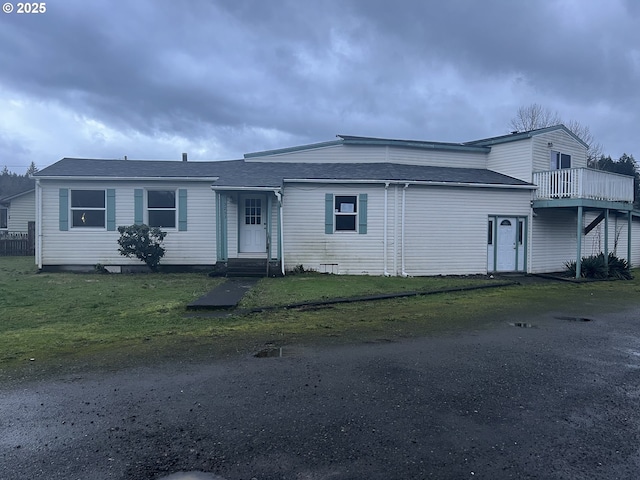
{"points": [[507, 245], [253, 226]]}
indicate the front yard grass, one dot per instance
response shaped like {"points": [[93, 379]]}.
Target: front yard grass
{"points": [[61, 319]]}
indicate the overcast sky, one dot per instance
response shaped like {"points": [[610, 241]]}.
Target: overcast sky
{"points": [[151, 79]]}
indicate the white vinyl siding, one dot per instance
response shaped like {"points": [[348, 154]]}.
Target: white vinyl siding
{"points": [[561, 142], [513, 159], [307, 244], [445, 229], [197, 246], [380, 154], [593, 242], [553, 239], [21, 211]]}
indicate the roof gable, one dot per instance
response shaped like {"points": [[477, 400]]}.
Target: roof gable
{"points": [[516, 136]]}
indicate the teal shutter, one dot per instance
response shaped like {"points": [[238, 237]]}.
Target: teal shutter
{"points": [[182, 210], [328, 213], [137, 206], [111, 209], [362, 214], [64, 209]]}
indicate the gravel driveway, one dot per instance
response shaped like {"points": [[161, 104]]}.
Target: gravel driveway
{"points": [[556, 398]]}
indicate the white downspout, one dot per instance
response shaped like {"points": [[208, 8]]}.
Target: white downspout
{"points": [[395, 229], [386, 223], [404, 196], [279, 197], [38, 224]]}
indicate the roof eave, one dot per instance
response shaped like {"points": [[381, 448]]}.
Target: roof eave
{"points": [[411, 182], [127, 178], [458, 147]]}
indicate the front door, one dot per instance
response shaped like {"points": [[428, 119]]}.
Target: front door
{"points": [[506, 251], [253, 232]]}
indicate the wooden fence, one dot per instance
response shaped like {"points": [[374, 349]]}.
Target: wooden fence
{"points": [[14, 244]]}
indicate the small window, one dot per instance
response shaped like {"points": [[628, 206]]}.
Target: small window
{"points": [[345, 211], [253, 211], [505, 223], [520, 232], [4, 217], [490, 233], [87, 208], [161, 208], [560, 160]]}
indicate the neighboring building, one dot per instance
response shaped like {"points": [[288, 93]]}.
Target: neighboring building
{"points": [[16, 211], [523, 202]]}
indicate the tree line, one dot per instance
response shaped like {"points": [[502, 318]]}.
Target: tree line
{"points": [[12, 183]]}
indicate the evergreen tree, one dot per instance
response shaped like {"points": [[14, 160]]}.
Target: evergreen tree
{"points": [[625, 165]]}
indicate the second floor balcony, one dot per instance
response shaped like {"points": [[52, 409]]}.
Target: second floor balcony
{"points": [[583, 183]]}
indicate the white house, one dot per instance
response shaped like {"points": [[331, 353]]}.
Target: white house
{"points": [[524, 202], [16, 211]]}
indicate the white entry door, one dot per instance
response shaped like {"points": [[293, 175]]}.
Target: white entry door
{"points": [[506, 251], [253, 232]]}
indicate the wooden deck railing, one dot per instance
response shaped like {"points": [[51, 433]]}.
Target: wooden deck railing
{"points": [[583, 183]]}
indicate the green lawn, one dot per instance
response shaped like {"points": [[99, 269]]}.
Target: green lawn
{"points": [[60, 317]]}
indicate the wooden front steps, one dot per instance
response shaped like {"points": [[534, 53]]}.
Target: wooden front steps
{"points": [[252, 267]]}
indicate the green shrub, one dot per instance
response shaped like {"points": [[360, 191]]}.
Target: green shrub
{"points": [[619, 268], [142, 242], [593, 266]]}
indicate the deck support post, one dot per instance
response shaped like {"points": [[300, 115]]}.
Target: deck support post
{"points": [[629, 225], [579, 245], [606, 240]]}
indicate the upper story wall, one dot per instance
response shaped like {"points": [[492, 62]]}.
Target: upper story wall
{"points": [[379, 154], [512, 158], [558, 141]]}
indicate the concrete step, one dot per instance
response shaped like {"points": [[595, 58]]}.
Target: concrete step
{"points": [[246, 267]]}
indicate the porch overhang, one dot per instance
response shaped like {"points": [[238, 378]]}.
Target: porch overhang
{"points": [[221, 188], [586, 203]]}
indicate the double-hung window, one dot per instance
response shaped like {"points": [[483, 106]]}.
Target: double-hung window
{"points": [[88, 208], [346, 213], [4, 217], [161, 208]]}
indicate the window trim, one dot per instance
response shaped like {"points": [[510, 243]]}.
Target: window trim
{"points": [[72, 209], [556, 160], [6, 217], [353, 214], [174, 208]]}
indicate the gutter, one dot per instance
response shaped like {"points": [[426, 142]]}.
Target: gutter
{"points": [[385, 239], [118, 179], [413, 182], [278, 194], [245, 189], [404, 197]]}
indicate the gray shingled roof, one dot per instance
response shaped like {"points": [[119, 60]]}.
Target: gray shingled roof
{"points": [[240, 173]]}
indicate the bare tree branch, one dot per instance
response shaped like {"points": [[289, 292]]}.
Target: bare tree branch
{"points": [[536, 116], [533, 117]]}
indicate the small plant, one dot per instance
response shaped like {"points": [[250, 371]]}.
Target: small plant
{"points": [[593, 266], [619, 268], [99, 268], [142, 242]]}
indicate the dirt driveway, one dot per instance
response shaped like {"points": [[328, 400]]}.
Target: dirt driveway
{"points": [[559, 400]]}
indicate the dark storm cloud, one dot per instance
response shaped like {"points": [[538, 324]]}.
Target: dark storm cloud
{"points": [[248, 74]]}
